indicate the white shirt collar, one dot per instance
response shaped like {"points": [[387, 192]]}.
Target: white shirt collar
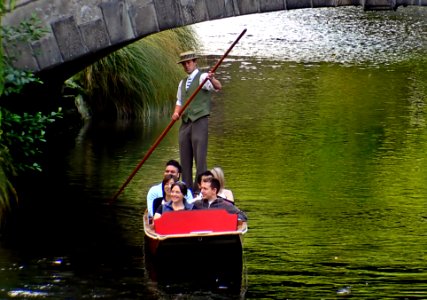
{"points": [[193, 74]]}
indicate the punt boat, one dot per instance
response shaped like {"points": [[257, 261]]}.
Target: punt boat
{"points": [[191, 231], [197, 247]]}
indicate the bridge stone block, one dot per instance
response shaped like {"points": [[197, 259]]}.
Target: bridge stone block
{"points": [[68, 38], [47, 52], [169, 14], [95, 35], [117, 21], [245, 7], [324, 3], [22, 57], [348, 2], [296, 4], [194, 11], [220, 9], [143, 17], [272, 5]]}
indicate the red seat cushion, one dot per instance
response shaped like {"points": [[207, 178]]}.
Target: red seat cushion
{"points": [[188, 221]]}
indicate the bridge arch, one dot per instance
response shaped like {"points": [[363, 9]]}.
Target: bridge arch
{"points": [[81, 32]]}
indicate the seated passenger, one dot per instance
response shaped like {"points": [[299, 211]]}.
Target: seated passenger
{"points": [[167, 182], [174, 168], [218, 173], [178, 201], [209, 189], [199, 180]]}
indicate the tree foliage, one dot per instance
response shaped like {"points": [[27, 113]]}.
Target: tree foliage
{"points": [[21, 134], [24, 135], [12, 79], [6, 5]]}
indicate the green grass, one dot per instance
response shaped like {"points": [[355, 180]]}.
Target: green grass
{"points": [[8, 193], [139, 80]]}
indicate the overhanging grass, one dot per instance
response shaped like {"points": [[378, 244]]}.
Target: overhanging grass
{"points": [[140, 79], [8, 195]]}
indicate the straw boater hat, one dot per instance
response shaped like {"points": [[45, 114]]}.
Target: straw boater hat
{"points": [[185, 56]]}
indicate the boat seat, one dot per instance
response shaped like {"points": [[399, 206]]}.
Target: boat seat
{"points": [[193, 221]]}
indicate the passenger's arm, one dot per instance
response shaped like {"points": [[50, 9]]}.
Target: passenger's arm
{"points": [[151, 196]]}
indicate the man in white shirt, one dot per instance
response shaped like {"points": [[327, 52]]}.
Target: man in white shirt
{"points": [[172, 168]]}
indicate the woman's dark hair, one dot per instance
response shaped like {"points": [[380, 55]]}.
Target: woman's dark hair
{"points": [[182, 187], [166, 180]]}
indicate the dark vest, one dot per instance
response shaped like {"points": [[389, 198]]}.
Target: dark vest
{"points": [[200, 106]]}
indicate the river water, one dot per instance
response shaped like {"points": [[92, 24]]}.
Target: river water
{"points": [[321, 131]]}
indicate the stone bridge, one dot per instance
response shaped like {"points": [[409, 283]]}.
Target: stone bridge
{"points": [[80, 32]]}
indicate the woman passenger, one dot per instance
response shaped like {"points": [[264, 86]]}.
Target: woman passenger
{"points": [[178, 201], [218, 173], [168, 180]]}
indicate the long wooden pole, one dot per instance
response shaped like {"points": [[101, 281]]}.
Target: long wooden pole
{"points": [[172, 122]]}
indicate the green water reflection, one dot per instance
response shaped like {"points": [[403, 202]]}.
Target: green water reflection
{"points": [[327, 159], [329, 162]]}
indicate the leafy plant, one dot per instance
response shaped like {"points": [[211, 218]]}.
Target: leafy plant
{"points": [[30, 29], [15, 80], [21, 136], [12, 80], [8, 193], [6, 5], [26, 133]]}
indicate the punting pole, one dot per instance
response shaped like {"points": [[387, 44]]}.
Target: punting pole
{"points": [[166, 130]]}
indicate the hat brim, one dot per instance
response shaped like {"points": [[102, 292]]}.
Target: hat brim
{"points": [[187, 59]]}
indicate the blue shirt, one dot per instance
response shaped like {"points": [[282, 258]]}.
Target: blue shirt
{"points": [[168, 207]]}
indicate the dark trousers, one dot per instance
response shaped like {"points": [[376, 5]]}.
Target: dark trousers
{"points": [[193, 143]]}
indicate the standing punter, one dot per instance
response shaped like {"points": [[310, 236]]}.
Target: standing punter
{"points": [[193, 133]]}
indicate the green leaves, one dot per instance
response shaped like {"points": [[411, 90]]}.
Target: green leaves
{"points": [[21, 136], [28, 30], [6, 5], [26, 133], [15, 80]]}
